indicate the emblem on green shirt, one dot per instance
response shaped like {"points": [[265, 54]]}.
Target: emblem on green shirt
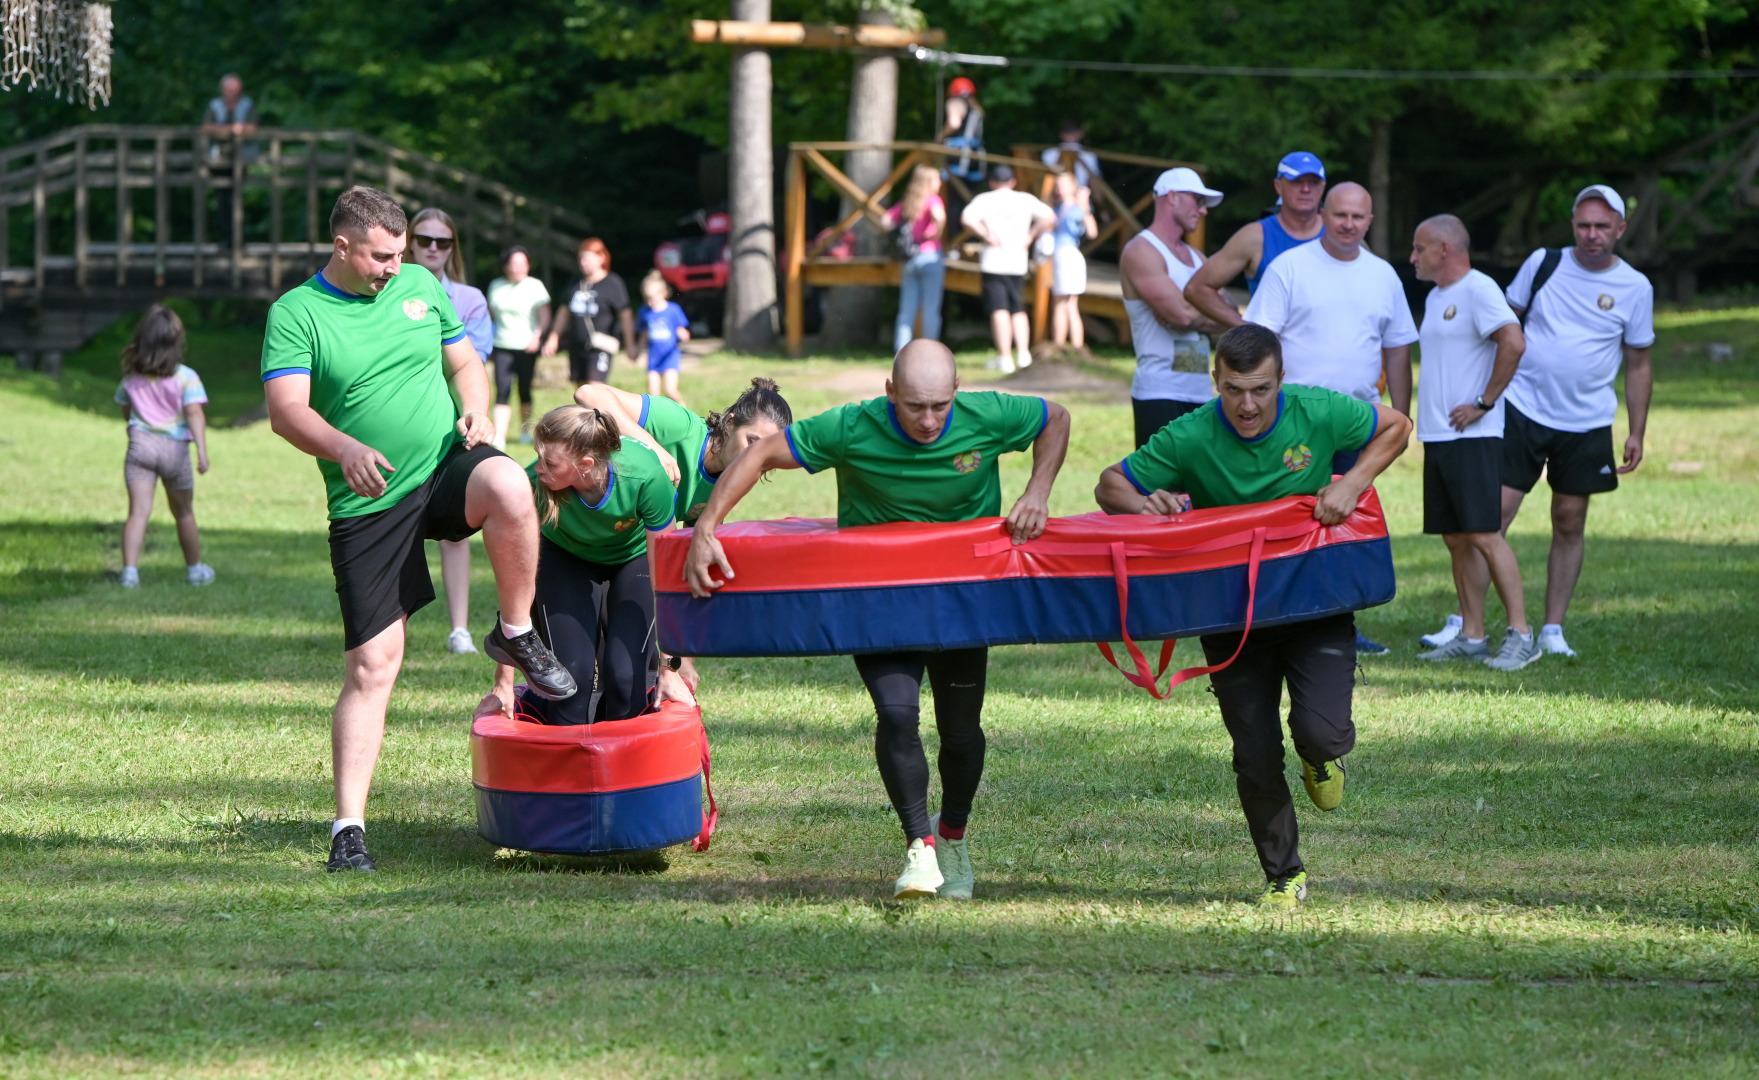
{"points": [[968, 462], [625, 525], [416, 309], [1297, 458]]}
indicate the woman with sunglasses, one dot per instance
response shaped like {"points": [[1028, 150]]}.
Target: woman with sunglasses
{"points": [[433, 239]]}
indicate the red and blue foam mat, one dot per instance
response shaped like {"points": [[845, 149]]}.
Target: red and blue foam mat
{"points": [[808, 588], [592, 789]]}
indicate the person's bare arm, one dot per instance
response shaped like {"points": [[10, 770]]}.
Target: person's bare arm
{"points": [[557, 323], [1026, 520], [1238, 256], [197, 419], [292, 417], [1396, 363], [1511, 344], [975, 226], [1639, 386], [625, 408], [470, 388], [127, 413], [1146, 272], [937, 216], [1337, 500], [537, 336], [1117, 495], [706, 554], [626, 320], [1090, 226]]}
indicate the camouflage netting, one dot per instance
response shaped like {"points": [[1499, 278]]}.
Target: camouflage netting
{"points": [[61, 46]]}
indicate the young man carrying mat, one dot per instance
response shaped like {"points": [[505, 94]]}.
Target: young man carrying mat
{"points": [[924, 452], [1261, 440]]}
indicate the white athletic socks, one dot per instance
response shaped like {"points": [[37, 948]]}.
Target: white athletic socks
{"points": [[343, 822], [509, 631], [1551, 628]]}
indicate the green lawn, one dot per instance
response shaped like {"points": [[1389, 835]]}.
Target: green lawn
{"points": [[1550, 874]]}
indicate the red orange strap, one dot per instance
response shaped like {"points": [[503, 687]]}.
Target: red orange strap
{"points": [[714, 813]]}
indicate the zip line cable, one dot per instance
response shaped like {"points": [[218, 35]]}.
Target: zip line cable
{"points": [[944, 59]]}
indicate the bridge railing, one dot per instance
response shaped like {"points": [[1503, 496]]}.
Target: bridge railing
{"points": [[112, 209]]}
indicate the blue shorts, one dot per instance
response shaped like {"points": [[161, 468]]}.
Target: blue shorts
{"points": [[662, 363]]}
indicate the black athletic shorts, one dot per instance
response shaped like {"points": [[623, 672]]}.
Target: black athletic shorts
{"points": [[590, 365], [381, 566], [1462, 486], [1004, 292], [1152, 414], [1574, 462]]}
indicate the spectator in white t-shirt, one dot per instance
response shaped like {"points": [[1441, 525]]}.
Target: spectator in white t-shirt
{"points": [[1472, 344], [1592, 314], [1341, 315], [1007, 221]]}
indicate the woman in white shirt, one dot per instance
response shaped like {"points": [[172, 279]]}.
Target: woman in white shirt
{"points": [[520, 305]]}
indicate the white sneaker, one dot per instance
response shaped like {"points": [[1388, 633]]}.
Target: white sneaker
{"points": [[921, 876], [458, 641], [1003, 364], [201, 574], [954, 859], [1024, 361], [1449, 631], [130, 577], [1551, 640]]}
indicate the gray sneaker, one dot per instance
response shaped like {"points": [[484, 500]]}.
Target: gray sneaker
{"points": [[1516, 652], [1458, 648]]}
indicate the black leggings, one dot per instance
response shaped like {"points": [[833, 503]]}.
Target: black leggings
{"points": [[511, 363], [599, 620], [895, 682], [1318, 661]]}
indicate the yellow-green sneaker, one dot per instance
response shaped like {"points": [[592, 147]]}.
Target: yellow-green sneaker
{"points": [[1287, 892], [1325, 782]]}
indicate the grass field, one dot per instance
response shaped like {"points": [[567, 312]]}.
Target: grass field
{"points": [[1550, 874]]}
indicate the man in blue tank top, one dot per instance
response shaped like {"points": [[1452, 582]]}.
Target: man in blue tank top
{"points": [[1300, 188]]}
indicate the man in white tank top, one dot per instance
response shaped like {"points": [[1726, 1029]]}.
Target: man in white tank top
{"points": [[1172, 356]]}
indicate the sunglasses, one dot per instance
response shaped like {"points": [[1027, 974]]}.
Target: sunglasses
{"points": [[444, 243]]}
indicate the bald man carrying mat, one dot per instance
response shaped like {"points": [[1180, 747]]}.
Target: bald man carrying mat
{"points": [[924, 452]]}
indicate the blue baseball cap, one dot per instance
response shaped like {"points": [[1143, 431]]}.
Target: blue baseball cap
{"points": [[1299, 163]]}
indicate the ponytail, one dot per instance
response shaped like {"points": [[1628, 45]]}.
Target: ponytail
{"points": [[762, 402]]}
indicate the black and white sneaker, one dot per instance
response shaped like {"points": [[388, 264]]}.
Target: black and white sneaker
{"points": [[544, 673], [348, 851]]}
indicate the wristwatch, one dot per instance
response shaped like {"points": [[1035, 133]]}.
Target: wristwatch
{"points": [[1484, 406]]}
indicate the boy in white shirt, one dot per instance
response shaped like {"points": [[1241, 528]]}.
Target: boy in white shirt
{"points": [[1007, 221]]}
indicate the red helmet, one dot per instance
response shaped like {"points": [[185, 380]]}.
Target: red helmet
{"points": [[962, 87]]}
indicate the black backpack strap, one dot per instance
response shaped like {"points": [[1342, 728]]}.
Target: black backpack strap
{"points": [[1547, 266]]}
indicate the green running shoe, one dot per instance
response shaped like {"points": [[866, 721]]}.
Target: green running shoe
{"points": [[1458, 648], [1288, 892], [1325, 782], [954, 858]]}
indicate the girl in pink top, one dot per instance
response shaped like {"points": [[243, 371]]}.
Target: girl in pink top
{"points": [[162, 401], [919, 227]]}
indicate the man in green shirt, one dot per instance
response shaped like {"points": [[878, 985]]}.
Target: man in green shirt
{"points": [[1258, 441], [924, 452], [366, 367]]}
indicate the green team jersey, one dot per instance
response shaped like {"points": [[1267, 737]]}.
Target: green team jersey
{"points": [[685, 436], [376, 374], [885, 475], [1200, 452], [638, 497]]}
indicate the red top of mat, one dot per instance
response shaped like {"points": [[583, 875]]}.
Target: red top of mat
{"points": [[654, 748], [801, 553]]}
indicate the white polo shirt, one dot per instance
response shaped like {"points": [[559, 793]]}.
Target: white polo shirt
{"points": [[1577, 331], [1458, 355], [1333, 317]]}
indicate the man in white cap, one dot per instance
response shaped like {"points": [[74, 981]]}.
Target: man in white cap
{"points": [[1340, 312], [1172, 357], [1587, 312], [1300, 185]]}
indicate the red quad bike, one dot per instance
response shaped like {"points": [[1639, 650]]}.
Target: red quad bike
{"points": [[696, 268]]}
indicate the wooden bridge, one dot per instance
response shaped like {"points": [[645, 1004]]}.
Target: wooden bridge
{"points": [[103, 218], [806, 262]]}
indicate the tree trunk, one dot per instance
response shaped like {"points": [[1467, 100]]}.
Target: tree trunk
{"points": [[1380, 187], [751, 197], [852, 312]]}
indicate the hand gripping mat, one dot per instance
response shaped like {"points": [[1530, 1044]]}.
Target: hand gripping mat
{"points": [[591, 789], [808, 588]]}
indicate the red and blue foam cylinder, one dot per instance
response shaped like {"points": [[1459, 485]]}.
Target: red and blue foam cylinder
{"points": [[590, 789], [808, 588]]}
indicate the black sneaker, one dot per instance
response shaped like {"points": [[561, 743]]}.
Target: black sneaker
{"points": [[543, 672], [348, 851]]}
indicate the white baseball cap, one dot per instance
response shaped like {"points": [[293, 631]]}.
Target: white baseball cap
{"points": [[1601, 191], [1183, 179]]}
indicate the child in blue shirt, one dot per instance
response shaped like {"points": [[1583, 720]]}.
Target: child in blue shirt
{"points": [[664, 328]]}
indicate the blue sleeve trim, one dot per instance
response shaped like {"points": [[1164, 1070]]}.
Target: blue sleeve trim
{"points": [[1044, 418], [280, 371], [1373, 430], [455, 338], [788, 433], [663, 526], [641, 421], [1124, 467]]}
